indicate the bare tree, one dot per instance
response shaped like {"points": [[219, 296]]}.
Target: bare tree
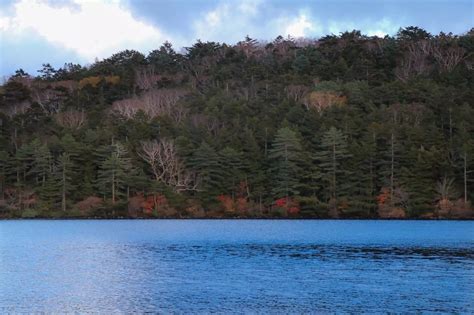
{"points": [[323, 100], [15, 109], [166, 166], [211, 124], [448, 58], [164, 102], [154, 103], [146, 78], [50, 100], [416, 60], [296, 92], [127, 107], [71, 119]]}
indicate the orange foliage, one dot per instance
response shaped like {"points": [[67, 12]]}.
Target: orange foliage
{"points": [[383, 197], [112, 79], [290, 205], [391, 208], [323, 100], [240, 204], [226, 202], [93, 81], [148, 204], [88, 204]]}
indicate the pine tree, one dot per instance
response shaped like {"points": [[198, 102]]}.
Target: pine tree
{"points": [[417, 179], [50, 191], [388, 163], [232, 166], [206, 163], [333, 151], [113, 172], [285, 164], [362, 169], [3, 171], [64, 165], [42, 160]]}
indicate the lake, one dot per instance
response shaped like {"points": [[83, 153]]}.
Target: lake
{"points": [[243, 266]]}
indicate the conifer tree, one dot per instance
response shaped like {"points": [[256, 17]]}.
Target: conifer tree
{"points": [[286, 158], [333, 151], [113, 172], [232, 166], [206, 163], [42, 160], [64, 165]]}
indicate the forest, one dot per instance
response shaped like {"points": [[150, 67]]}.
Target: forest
{"points": [[344, 126]]}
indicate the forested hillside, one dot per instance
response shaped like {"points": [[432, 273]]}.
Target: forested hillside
{"points": [[342, 126]]}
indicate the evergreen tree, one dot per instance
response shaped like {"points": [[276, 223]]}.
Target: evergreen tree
{"points": [[50, 191], [206, 163], [417, 179], [285, 164], [64, 165], [3, 171], [232, 166], [333, 151], [113, 172], [42, 161]]}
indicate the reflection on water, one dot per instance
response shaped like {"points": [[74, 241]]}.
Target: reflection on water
{"points": [[236, 266]]}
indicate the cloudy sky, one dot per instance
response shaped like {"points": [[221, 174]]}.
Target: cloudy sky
{"points": [[33, 32]]}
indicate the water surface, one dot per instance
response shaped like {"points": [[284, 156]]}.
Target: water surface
{"points": [[244, 266]]}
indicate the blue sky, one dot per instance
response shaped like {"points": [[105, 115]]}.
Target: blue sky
{"points": [[33, 32]]}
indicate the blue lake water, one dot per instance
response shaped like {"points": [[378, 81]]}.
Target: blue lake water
{"points": [[243, 266]]}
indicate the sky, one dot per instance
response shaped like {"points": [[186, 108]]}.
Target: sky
{"points": [[33, 32]]}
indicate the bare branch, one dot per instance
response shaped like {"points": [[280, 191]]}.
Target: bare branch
{"points": [[166, 166]]}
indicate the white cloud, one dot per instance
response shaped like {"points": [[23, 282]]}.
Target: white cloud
{"points": [[250, 7], [336, 27], [300, 26], [372, 28], [229, 22], [90, 28], [382, 28]]}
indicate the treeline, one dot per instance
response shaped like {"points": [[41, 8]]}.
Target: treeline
{"points": [[342, 126]]}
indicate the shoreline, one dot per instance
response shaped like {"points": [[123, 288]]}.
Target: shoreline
{"points": [[235, 218]]}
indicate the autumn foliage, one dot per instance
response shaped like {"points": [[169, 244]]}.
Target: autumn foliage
{"points": [[289, 205], [322, 100], [95, 80], [388, 208], [239, 204]]}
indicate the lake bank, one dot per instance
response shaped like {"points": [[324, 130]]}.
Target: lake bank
{"points": [[470, 218], [160, 206]]}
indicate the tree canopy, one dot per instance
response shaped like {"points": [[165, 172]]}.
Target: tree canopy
{"points": [[347, 125]]}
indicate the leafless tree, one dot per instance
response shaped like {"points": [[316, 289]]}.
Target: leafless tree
{"points": [[165, 102], [211, 124], [166, 166], [448, 58], [127, 108], [322, 100], [50, 100], [296, 92], [15, 109], [146, 78], [154, 103], [416, 60], [71, 119]]}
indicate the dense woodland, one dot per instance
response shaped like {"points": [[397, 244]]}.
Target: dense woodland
{"points": [[343, 126]]}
